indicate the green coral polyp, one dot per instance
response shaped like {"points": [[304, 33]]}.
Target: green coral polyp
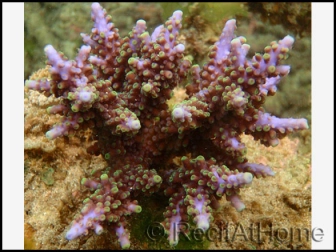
{"points": [[147, 88], [157, 179]]}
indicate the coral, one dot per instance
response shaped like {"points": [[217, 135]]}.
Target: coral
{"points": [[203, 23], [298, 83], [61, 22], [199, 33], [190, 153]]}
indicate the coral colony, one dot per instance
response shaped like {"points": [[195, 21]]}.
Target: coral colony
{"points": [[191, 153]]}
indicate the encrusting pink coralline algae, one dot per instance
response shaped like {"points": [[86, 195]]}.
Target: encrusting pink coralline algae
{"points": [[119, 87]]}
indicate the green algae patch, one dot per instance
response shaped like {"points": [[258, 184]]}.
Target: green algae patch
{"points": [[47, 176]]}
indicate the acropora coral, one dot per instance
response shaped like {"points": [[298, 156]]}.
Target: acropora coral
{"points": [[190, 153]]}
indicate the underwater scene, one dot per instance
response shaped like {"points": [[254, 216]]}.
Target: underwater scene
{"points": [[167, 126]]}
